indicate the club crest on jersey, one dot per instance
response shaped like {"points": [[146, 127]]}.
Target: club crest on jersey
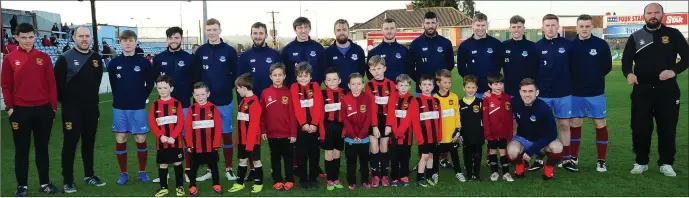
{"points": [[593, 52], [355, 57], [180, 63], [435, 106], [362, 108], [452, 102], [387, 92], [476, 108], [490, 50], [246, 107], [210, 115], [17, 63], [508, 106], [137, 68], [95, 64], [398, 55], [507, 51], [313, 53], [440, 49], [544, 52], [665, 39], [310, 93], [525, 53], [68, 125], [406, 105], [15, 125], [222, 59], [163, 63], [252, 60], [561, 50], [295, 54], [39, 61], [269, 60], [424, 49], [532, 118], [173, 110], [284, 99]]}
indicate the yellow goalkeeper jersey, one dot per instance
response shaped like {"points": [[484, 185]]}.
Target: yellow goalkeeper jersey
{"points": [[449, 105]]}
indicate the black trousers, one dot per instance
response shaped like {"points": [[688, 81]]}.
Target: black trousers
{"points": [[78, 122], [662, 103], [308, 152], [352, 151], [400, 161], [208, 158], [472, 158], [281, 150], [454, 155], [25, 121]]}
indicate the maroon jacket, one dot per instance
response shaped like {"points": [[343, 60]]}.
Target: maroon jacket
{"points": [[497, 117], [358, 112], [28, 79], [278, 110]]}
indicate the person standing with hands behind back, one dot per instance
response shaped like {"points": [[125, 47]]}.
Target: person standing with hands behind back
{"points": [[649, 63]]}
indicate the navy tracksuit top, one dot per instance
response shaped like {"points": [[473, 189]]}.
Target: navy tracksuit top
{"points": [[178, 66], [480, 58], [554, 76], [396, 58], [131, 80], [216, 67], [353, 61], [258, 60], [521, 61], [428, 55], [309, 50], [591, 60]]}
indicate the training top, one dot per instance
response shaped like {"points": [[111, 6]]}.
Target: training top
{"points": [[648, 53], [402, 107], [279, 111], [449, 104], [428, 55], [203, 128], [396, 57], [591, 61], [553, 78], [535, 123], [472, 120], [480, 58], [28, 79], [249, 122], [521, 61], [258, 60], [78, 76], [131, 80], [352, 61], [310, 51], [177, 65], [428, 125], [358, 112], [497, 116], [166, 119], [216, 66]]}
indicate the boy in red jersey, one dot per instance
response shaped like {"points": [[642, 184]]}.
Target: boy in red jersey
{"points": [[380, 89], [308, 108], [427, 122], [400, 123], [331, 128], [497, 126], [165, 119], [359, 110], [203, 130], [281, 133], [248, 138]]}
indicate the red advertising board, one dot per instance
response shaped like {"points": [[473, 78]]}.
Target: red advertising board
{"points": [[675, 19]]}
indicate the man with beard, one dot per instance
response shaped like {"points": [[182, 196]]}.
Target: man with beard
{"points": [[591, 62], [177, 63], [216, 66], [395, 54], [554, 81], [649, 64], [258, 59], [480, 55], [303, 49], [344, 54], [430, 52], [78, 74]]}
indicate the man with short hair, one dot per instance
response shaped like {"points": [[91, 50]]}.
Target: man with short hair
{"points": [[30, 94], [217, 67], [591, 61], [480, 55], [396, 55], [521, 57], [649, 64], [258, 59], [344, 54], [78, 75], [177, 63], [430, 52], [554, 81], [303, 49]]}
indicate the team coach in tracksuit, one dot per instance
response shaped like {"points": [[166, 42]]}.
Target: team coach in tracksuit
{"points": [[649, 63]]}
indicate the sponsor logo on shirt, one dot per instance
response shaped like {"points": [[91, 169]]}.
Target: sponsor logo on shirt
{"points": [[333, 107], [202, 124], [166, 120], [242, 116]]}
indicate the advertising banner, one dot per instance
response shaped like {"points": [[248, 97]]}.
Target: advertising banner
{"points": [[622, 31]]}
